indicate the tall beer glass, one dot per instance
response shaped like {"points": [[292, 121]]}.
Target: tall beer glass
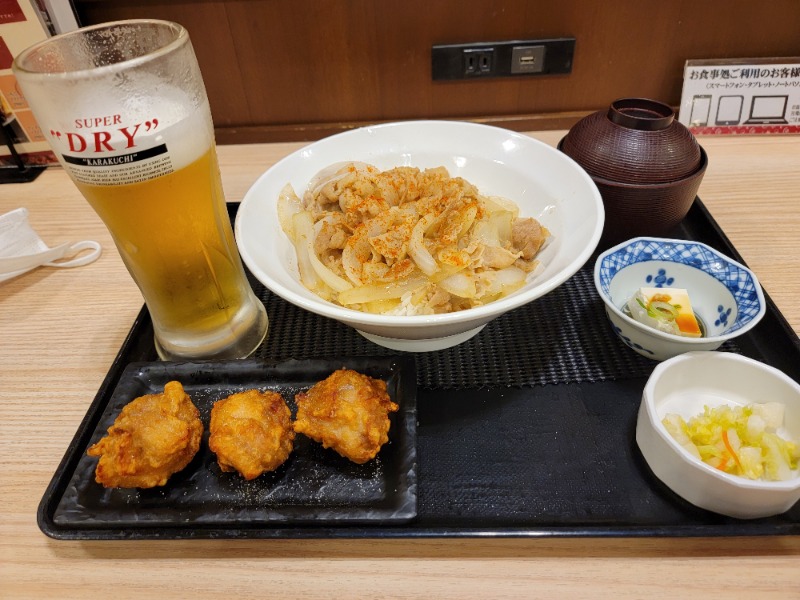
{"points": [[124, 107]]}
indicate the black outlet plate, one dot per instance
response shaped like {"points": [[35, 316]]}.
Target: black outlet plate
{"points": [[454, 61]]}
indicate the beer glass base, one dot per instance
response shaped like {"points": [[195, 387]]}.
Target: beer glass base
{"points": [[241, 343]]}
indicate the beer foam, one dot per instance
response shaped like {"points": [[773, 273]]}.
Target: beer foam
{"points": [[189, 138], [169, 115]]}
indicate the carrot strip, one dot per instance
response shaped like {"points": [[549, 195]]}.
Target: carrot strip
{"points": [[723, 462], [730, 449]]}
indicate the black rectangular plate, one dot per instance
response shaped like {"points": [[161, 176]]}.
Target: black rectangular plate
{"points": [[527, 429], [314, 486]]}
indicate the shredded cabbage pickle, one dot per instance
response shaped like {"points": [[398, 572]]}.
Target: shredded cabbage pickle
{"points": [[740, 440], [407, 241]]}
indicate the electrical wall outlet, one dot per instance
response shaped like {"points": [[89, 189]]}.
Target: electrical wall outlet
{"points": [[478, 61], [502, 59]]}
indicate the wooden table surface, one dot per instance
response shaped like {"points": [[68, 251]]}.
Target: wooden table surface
{"points": [[61, 328]]}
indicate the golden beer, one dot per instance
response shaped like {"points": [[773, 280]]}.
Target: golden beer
{"points": [[124, 108], [174, 236]]}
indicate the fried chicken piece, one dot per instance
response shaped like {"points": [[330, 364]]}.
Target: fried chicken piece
{"points": [[347, 412], [154, 437], [251, 432]]}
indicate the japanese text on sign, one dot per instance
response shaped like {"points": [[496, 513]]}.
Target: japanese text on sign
{"points": [[741, 98]]}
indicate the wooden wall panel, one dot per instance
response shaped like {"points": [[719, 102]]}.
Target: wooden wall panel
{"points": [[300, 69]]}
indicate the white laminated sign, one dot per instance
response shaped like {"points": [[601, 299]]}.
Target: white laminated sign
{"points": [[745, 96]]}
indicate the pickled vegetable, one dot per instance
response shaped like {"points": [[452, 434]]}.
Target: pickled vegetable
{"points": [[740, 440]]}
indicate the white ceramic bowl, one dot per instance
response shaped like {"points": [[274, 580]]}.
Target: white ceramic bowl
{"points": [[545, 183], [684, 385], [725, 294]]}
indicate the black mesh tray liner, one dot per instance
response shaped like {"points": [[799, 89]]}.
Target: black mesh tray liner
{"points": [[560, 338], [526, 429]]}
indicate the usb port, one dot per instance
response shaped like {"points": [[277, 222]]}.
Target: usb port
{"points": [[527, 59]]}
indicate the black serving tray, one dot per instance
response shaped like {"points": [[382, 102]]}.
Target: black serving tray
{"points": [[525, 430]]}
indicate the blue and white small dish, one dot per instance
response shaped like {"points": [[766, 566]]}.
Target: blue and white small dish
{"points": [[725, 295]]}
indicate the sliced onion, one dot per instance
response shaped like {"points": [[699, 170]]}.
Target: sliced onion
{"points": [[468, 218], [460, 284], [374, 293], [501, 281], [288, 205], [329, 277], [357, 250], [510, 276], [494, 230], [502, 221], [496, 203], [303, 227], [417, 249]]}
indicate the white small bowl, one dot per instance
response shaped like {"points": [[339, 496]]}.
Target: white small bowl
{"points": [[725, 294], [542, 181], [684, 385]]}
